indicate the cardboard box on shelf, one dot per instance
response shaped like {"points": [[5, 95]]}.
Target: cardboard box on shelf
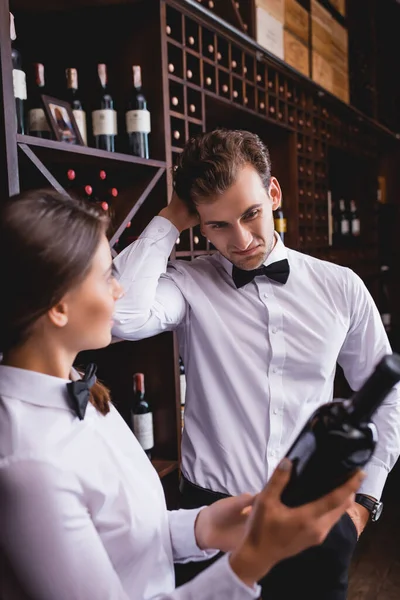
{"points": [[297, 20], [322, 71], [276, 8], [269, 32], [297, 54]]}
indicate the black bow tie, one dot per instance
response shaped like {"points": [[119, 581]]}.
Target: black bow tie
{"points": [[278, 271], [79, 391]]}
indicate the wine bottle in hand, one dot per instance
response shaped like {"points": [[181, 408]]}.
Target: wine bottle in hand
{"points": [[338, 438]]}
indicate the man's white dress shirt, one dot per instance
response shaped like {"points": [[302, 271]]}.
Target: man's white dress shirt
{"points": [[82, 511], [258, 360]]}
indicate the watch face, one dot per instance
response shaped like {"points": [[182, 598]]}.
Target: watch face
{"points": [[376, 513]]}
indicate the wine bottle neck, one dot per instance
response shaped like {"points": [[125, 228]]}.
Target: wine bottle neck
{"points": [[137, 77], [72, 79], [39, 75]]}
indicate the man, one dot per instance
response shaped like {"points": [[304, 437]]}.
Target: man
{"points": [[260, 347]]}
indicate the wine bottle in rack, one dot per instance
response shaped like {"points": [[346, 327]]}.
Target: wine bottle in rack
{"points": [[104, 117], [280, 223], [37, 121], [71, 181], [142, 417], [338, 438], [19, 79], [344, 221], [354, 219], [73, 98], [137, 117]]}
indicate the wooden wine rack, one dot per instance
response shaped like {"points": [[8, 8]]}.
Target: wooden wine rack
{"points": [[199, 72]]}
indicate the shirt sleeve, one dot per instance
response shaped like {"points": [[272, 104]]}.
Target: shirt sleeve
{"points": [[50, 542], [183, 539], [152, 302], [48, 537], [218, 582], [365, 344]]}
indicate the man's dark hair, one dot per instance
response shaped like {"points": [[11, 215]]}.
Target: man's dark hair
{"points": [[210, 162]]}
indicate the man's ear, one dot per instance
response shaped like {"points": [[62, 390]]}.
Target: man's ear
{"points": [[58, 314], [275, 193]]}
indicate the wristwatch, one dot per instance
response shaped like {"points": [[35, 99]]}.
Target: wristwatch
{"points": [[374, 506]]}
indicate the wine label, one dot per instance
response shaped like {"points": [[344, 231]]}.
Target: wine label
{"points": [[280, 225], [19, 83], [138, 121], [143, 430], [37, 120], [344, 227], [104, 122], [80, 118], [355, 227]]}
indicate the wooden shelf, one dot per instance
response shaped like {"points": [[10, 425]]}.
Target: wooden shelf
{"points": [[61, 151], [164, 467], [66, 4]]}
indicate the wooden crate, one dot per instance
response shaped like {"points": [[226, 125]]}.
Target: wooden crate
{"points": [[322, 71], [340, 6], [340, 45], [297, 20], [297, 54], [340, 84]]}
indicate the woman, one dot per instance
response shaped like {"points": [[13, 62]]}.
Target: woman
{"points": [[82, 511]]}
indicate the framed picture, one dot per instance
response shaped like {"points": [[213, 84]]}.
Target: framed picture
{"points": [[62, 121]]}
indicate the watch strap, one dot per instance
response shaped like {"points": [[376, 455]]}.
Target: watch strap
{"points": [[368, 503]]}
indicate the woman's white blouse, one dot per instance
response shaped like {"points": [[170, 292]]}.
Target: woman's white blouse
{"points": [[82, 511]]}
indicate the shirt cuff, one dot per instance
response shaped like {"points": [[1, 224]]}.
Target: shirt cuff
{"points": [[375, 480], [183, 539], [219, 581]]}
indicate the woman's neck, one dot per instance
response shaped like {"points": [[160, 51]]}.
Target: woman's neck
{"points": [[37, 356]]}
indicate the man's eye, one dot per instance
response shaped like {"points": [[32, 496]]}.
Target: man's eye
{"points": [[252, 214]]}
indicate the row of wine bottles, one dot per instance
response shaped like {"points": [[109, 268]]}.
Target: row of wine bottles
{"points": [[103, 130], [345, 220]]}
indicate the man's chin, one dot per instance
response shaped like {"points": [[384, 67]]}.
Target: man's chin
{"points": [[250, 263]]}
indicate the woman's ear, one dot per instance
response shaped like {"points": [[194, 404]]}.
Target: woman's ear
{"points": [[275, 193], [58, 314]]}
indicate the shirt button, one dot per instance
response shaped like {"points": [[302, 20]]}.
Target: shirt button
{"points": [[275, 411], [274, 330], [273, 453], [265, 295], [274, 370]]}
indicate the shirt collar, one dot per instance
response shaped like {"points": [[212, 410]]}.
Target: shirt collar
{"points": [[279, 252], [36, 388]]}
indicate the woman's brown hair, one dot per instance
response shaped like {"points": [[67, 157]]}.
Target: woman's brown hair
{"points": [[47, 242]]}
